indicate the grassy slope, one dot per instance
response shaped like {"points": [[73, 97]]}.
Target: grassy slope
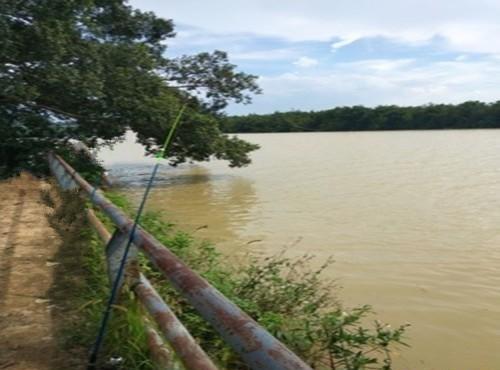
{"points": [[292, 302]]}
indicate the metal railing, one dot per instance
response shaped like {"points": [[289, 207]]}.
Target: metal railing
{"points": [[257, 347]]}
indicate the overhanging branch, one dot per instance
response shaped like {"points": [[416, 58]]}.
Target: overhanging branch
{"points": [[38, 105]]}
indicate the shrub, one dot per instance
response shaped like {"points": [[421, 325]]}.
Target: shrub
{"points": [[293, 302], [296, 304]]}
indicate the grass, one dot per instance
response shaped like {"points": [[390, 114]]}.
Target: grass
{"points": [[82, 291], [296, 304]]}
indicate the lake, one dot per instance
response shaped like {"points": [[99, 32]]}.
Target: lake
{"points": [[411, 218]]}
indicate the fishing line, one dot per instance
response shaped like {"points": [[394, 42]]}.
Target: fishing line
{"points": [[105, 318]]}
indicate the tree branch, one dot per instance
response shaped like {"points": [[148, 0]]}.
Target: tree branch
{"points": [[37, 105]]}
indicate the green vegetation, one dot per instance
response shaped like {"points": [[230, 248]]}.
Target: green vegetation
{"points": [[294, 303], [92, 69], [82, 290], [470, 114]]}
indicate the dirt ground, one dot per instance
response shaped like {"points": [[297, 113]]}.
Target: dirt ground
{"points": [[28, 246]]}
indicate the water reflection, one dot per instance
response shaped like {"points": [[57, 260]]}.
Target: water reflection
{"points": [[215, 206], [137, 175]]}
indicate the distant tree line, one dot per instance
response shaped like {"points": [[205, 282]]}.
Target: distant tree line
{"points": [[471, 114]]}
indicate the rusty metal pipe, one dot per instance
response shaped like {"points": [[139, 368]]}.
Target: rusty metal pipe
{"points": [[258, 348], [184, 345], [159, 353], [99, 227]]}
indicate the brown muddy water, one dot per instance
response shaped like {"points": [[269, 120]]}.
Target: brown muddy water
{"points": [[412, 219]]}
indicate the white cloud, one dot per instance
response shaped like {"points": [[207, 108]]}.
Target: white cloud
{"points": [[466, 25], [305, 62], [344, 42], [378, 82], [380, 65], [197, 37], [283, 31], [272, 54]]}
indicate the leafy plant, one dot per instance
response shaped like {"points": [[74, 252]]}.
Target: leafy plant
{"points": [[296, 304]]}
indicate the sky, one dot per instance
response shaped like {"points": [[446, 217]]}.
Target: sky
{"points": [[319, 54]]}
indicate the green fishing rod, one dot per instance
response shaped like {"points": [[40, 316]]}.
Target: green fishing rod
{"points": [[116, 283]]}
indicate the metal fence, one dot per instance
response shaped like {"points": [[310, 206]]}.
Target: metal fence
{"points": [[257, 347]]}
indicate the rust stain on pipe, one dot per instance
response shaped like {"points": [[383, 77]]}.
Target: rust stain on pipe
{"points": [[161, 356], [184, 345], [103, 233]]}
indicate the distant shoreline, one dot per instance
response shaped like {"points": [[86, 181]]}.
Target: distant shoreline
{"points": [[468, 115], [356, 131]]}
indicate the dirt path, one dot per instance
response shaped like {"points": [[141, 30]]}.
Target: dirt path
{"points": [[27, 248]]}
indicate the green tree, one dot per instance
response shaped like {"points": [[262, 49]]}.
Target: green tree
{"points": [[471, 114], [91, 69]]}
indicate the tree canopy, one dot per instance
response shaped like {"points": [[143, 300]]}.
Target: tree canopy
{"points": [[92, 69], [472, 114]]}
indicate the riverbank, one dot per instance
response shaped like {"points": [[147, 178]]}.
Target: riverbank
{"points": [[294, 303]]}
